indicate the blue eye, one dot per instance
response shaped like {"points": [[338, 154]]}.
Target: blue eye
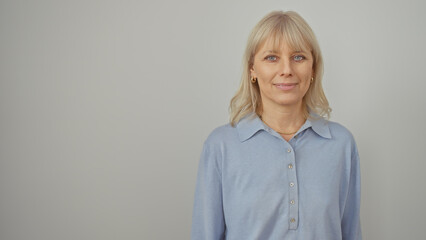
{"points": [[271, 58], [298, 58]]}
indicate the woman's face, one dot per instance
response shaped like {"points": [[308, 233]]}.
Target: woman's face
{"points": [[283, 75]]}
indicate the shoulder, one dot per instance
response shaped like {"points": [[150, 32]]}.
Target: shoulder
{"points": [[337, 130], [341, 135], [222, 134], [220, 140]]}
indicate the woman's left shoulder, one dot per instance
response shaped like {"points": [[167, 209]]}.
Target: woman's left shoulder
{"points": [[340, 132], [342, 138]]}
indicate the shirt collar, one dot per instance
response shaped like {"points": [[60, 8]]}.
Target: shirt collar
{"points": [[248, 126], [251, 124], [319, 125]]}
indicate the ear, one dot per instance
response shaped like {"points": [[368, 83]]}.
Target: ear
{"points": [[252, 72]]}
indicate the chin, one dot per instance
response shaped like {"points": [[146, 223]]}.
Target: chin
{"points": [[287, 102]]}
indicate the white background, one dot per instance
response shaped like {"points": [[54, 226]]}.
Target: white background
{"points": [[104, 106]]}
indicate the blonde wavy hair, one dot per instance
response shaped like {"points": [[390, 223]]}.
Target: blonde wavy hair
{"points": [[291, 28]]}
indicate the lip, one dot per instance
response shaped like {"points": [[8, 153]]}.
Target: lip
{"points": [[285, 86]]}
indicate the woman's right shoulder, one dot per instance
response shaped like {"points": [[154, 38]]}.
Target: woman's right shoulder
{"points": [[221, 135]]}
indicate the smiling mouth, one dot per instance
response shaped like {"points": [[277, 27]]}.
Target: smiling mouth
{"points": [[285, 86]]}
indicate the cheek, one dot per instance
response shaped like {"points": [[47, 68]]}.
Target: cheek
{"points": [[266, 73], [305, 74]]}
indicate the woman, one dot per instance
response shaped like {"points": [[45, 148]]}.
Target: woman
{"points": [[280, 169]]}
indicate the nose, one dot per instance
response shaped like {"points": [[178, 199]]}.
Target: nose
{"points": [[286, 68]]}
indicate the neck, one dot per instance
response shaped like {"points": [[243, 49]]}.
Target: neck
{"points": [[285, 119]]}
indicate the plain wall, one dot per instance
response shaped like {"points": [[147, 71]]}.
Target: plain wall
{"points": [[104, 106]]}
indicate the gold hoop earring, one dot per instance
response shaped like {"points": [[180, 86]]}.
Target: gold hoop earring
{"points": [[253, 80], [312, 79]]}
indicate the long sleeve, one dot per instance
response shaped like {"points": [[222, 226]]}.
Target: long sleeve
{"points": [[208, 219], [351, 227]]}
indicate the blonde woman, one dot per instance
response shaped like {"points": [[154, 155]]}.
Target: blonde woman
{"points": [[279, 169]]}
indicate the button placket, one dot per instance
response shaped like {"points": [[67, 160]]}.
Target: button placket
{"points": [[293, 190]]}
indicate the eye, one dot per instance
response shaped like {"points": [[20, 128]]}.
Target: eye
{"points": [[298, 58], [271, 58]]}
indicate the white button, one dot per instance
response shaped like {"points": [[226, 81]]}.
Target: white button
{"points": [[292, 220], [290, 166], [291, 184], [292, 202], [288, 150]]}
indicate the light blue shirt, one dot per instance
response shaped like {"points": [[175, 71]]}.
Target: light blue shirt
{"points": [[254, 185]]}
